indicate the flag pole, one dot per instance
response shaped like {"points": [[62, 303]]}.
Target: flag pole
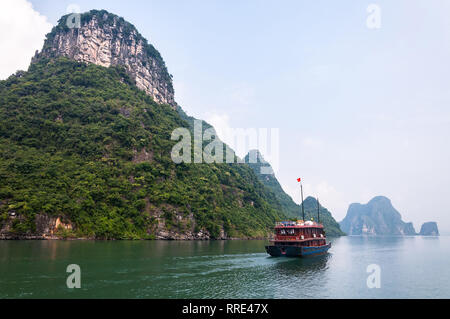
{"points": [[318, 211], [303, 208]]}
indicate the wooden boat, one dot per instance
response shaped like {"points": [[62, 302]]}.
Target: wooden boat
{"points": [[299, 238]]}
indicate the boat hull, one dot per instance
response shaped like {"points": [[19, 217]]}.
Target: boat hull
{"points": [[297, 251]]}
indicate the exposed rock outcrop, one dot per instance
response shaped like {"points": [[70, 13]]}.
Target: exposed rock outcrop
{"points": [[105, 39], [46, 227], [429, 229], [377, 217]]}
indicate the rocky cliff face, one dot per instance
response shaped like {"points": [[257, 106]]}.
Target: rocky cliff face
{"points": [[47, 227], [377, 217], [105, 39], [429, 229]]}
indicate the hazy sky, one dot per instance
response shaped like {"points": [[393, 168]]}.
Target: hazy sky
{"points": [[361, 112]]}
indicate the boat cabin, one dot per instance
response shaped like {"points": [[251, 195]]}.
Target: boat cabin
{"points": [[299, 233]]}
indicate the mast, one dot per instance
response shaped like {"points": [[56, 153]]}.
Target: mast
{"points": [[318, 210], [303, 208]]}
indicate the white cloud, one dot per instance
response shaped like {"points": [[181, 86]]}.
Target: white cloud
{"points": [[332, 199], [243, 140], [221, 123], [241, 94], [22, 32], [312, 142], [228, 134]]}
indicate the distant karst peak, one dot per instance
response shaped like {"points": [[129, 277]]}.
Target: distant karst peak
{"points": [[377, 217]]}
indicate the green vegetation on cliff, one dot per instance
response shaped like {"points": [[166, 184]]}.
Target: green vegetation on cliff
{"points": [[81, 142]]}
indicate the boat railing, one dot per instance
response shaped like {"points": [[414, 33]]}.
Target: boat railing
{"points": [[284, 224], [297, 223], [299, 237]]}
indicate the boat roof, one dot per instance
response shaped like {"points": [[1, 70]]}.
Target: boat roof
{"points": [[298, 224]]}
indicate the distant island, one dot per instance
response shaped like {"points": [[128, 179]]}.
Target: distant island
{"points": [[429, 229], [379, 218]]}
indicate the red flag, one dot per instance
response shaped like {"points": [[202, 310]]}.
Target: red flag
{"points": [[299, 180]]}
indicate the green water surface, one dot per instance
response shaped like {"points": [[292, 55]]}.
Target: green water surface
{"points": [[410, 267]]}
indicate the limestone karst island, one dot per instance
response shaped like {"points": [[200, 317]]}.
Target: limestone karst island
{"points": [[86, 151]]}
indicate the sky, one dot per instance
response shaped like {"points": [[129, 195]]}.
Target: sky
{"points": [[361, 98]]}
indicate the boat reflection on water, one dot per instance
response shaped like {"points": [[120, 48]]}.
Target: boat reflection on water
{"points": [[302, 266], [300, 277]]}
